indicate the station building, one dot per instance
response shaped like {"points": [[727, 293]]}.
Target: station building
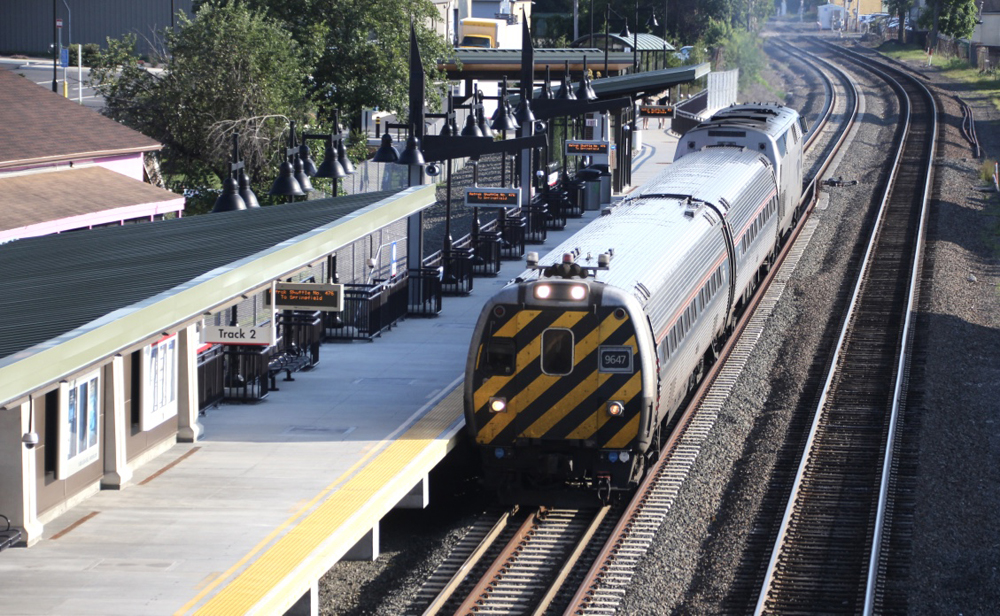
{"points": [[64, 167]]}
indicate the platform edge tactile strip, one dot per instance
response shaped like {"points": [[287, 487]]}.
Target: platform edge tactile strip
{"points": [[283, 573]]}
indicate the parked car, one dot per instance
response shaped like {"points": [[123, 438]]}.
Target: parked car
{"points": [[684, 53]]}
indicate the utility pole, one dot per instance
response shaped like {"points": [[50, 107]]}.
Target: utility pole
{"points": [[55, 49]]}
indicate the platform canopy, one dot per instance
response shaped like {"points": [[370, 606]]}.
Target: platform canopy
{"points": [[642, 41], [494, 64]]}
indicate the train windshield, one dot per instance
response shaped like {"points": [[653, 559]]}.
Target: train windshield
{"points": [[500, 356], [557, 351]]}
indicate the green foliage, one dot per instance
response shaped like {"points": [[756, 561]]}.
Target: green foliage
{"points": [[90, 51], [986, 170], [742, 50], [360, 50], [956, 18], [228, 65]]}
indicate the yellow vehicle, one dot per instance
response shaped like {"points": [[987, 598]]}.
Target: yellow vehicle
{"points": [[475, 33]]}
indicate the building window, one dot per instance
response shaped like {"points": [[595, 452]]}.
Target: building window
{"points": [[159, 382], [79, 410]]}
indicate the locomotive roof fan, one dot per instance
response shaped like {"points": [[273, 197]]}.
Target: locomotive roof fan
{"points": [[569, 268]]}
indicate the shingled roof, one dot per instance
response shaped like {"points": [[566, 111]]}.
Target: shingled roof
{"points": [[38, 126], [42, 203]]}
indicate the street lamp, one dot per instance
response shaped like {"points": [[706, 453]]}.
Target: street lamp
{"points": [[236, 194], [290, 182]]}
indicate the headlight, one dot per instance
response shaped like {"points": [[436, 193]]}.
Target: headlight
{"points": [[578, 292], [615, 408], [498, 405], [543, 291]]}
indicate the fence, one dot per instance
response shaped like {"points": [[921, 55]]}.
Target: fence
{"points": [[370, 309], [211, 367]]}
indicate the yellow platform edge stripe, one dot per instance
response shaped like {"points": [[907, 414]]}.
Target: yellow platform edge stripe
{"points": [[285, 571]]}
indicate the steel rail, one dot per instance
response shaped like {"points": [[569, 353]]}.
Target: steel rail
{"points": [[604, 561], [867, 262], [904, 358], [571, 562], [470, 562], [513, 546]]}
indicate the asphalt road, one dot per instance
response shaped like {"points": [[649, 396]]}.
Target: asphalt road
{"points": [[40, 72]]}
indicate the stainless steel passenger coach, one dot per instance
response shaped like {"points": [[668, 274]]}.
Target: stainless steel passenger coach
{"points": [[577, 366]]}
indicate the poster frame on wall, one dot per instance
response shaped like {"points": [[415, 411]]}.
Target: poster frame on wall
{"points": [[158, 381], [79, 442]]}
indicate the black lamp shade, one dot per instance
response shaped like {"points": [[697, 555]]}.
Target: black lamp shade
{"points": [[523, 114], [286, 184], [471, 129], [249, 198], [330, 167], [299, 172], [565, 92], [344, 159], [386, 153], [229, 200], [412, 154], [503, 119], [651, 22], [625, 32], [308, 164], [484, 126]]}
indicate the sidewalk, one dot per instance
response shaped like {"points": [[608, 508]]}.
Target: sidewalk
{"points": [[657, 152]]}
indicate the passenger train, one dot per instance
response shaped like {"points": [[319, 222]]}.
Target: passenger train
{"points": [[578, 365]]}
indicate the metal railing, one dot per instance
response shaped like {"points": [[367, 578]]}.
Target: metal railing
{"points": [[370, 309], [245, 375], [424, 292], [211, 369], [513, 230], [537, 215]]}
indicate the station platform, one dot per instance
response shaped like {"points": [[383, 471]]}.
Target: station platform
{"points": [[275, 493]]}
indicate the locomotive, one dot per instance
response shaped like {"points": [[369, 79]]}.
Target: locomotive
{"points": [[578, 365]]}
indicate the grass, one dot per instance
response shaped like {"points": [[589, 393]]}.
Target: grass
{"points": [[982, 84]]}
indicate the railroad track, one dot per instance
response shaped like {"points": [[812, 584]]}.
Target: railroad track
{"points": [[520, 566], [827, 554], [541, 572]]}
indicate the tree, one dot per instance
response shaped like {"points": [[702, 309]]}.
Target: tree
{"points": [[229, 66], [954, 18], [360, 50], [899, 8]]}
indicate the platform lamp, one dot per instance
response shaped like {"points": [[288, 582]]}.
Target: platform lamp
{"points": [[484, 126], [503, 121], [585, 91], [236, 194], [386, 153], [411, 155], [289, 181], [565, 91], [336, 164]]}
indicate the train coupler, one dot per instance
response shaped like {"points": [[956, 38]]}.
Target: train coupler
{"points": [[604, 488]]}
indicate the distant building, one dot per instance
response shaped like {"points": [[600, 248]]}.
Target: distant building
{"points": [[27, 27], [65, 167], [454, 11]]}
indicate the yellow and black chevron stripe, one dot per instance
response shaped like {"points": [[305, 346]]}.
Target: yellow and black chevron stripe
{"points": [[571, 407]]}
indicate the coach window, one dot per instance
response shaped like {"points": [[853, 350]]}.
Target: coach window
{"points": [[557, 351], [500, 356]]}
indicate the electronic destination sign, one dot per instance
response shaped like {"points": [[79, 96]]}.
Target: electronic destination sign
{"points": [[586, 148], [492, 197], [308, 296]]}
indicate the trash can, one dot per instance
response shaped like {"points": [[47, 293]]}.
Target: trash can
{"points": [[591, 187], [605, 179]]}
